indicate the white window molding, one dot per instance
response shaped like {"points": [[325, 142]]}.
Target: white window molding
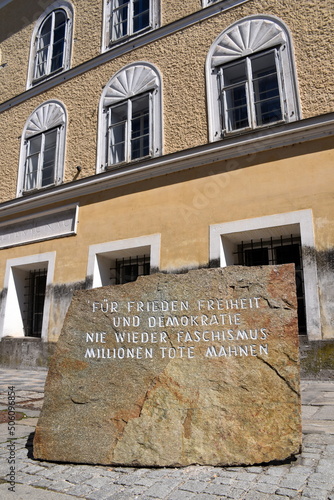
{"points": [[100, 256], [208, 2], [124, 19], [116, 143], [225, 237], [11, 314], [43, 167], [241, 42], [50, 52]]}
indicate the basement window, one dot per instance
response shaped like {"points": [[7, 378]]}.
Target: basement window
{"points": [[126, 270], [276, 251], [34, 298]]}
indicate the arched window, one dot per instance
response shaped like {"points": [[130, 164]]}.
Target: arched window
{"points": [[42, 148], [130, 116], [51, 44], [251, 77]]}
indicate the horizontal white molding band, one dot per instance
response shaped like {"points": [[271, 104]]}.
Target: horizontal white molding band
{"points": [[255, 142]]}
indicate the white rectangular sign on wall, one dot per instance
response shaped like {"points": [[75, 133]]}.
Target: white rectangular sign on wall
{"points": [[43, 226]]}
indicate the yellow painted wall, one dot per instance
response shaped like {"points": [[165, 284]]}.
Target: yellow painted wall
{"points": [[182, 206]]}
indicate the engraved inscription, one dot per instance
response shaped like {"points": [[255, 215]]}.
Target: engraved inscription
{"points": [[182, 329]]}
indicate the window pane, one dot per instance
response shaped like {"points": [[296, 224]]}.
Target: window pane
{"points": [[141, 14], [116, 133], [58, 41], [49, 160], [35, 288], [256, 257], [45, 33], [120, 19], [140, 127], [266, 90], [288, 254], [41, 63], [34, 149], [43, 46], [236, 108], [234, 85], [128, 270]]}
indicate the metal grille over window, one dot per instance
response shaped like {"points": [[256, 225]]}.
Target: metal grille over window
{"points": [[34, 296], [128, 270], [282, 250]]}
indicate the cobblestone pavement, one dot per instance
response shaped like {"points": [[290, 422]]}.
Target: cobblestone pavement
{"points": [[309, 477]]}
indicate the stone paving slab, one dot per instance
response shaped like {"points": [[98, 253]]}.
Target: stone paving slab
{"points": [[22, 492], [309, 477]]}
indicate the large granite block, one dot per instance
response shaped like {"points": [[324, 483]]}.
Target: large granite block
{"points": [[171, 370]]}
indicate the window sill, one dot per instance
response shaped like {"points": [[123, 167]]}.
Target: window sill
{"points": [[37, 190], [122, 164], [113, 44], [244, 131], [49, 76]]}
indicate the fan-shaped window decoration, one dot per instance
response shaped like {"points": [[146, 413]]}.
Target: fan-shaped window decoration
{"points": [[130, 116], [50, 53], [251, 77], [125, 18], [42, 149]]}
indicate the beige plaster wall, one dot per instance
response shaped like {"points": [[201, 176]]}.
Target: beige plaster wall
{"points": [[183, 81], [172, 10]]}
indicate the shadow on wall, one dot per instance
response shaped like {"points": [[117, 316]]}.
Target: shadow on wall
{"points": [[27, 352], [316, 359]]}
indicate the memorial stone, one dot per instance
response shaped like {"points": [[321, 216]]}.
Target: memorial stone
{"points": [[172, 370]]}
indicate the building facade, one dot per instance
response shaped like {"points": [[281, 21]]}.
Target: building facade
{"points": [[157, 135]]}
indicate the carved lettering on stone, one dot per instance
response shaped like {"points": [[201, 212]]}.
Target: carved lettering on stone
{"points": [[172, 370]]}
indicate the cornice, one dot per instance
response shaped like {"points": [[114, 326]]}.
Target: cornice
{"points": [[256, 142], [120, 50]]}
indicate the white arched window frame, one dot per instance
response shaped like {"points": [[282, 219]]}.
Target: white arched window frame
{"points": [[130, 117], [233, 65], [51, 42], [42, 148], [128, 18]]}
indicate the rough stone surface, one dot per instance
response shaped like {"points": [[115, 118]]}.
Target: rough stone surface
{"points": [[172, 370]]}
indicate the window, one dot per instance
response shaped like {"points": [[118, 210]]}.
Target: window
{"points": [[251, 78], [26, 308], [122, 261], [126, 18], [42, 148], [35, 287], [250, 92], [279, 250], [50, 52], [275, 239], [129, 130], [126, 270], [130, 117]]}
